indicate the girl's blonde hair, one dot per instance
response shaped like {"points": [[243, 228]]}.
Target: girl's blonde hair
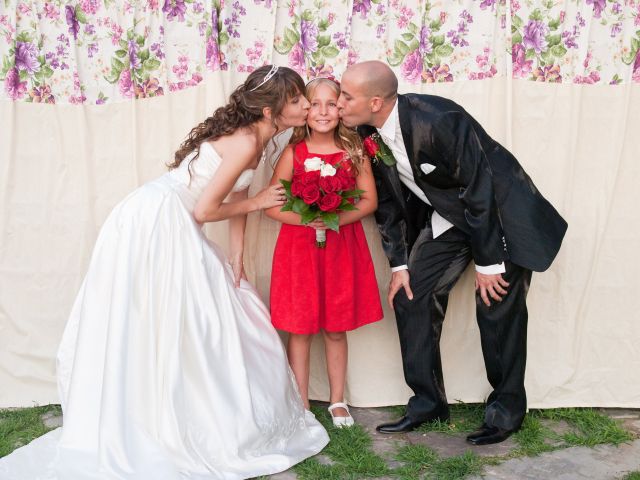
{"points": [[346, 138]]}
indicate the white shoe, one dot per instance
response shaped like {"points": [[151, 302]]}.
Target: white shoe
{"points": [[340, 421]]}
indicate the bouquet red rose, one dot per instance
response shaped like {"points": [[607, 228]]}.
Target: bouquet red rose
{"points": [[320, 190]]}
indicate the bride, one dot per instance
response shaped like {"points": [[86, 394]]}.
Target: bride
{"points": [[169, 367]]}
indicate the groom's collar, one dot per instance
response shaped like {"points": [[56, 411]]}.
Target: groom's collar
{"points": [[389, 127]]}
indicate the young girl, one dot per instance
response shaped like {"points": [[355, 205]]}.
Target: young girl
{"points": [[331, 289]]}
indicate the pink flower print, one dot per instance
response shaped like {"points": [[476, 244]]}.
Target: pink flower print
{"points": [[51, 11], [126, 85], [90, 7], [13, 86], [521, 66], [593, 77], [213, 54], [412, 67], [296, 58], [439, 73], [548, 73]]}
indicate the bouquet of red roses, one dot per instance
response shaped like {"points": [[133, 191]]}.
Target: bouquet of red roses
{"points": [[320, 190]]}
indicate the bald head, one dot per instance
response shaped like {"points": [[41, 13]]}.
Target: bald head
{"points": [[373, 78]]}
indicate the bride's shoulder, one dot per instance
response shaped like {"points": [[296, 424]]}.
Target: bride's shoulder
{"points": [[237, 144]]}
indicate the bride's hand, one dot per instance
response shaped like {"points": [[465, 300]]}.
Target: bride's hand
{"points": [[238, 269], [317, 224], [272, 196]]}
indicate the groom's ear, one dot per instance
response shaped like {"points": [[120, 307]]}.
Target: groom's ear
{"points": [[376, 104]]}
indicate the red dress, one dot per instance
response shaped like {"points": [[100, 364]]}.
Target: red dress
{"points": [[332, 288]]}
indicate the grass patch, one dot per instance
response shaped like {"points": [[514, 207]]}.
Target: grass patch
{"points": [[590, 427], [533, 438], [423, 462], [632, 476], [349, 449], [19, 426], [463, 418]]}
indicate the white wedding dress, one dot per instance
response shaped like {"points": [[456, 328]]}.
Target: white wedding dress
{"points": [[166, 370]]}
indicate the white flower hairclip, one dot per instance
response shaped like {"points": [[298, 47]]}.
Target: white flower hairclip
{"points": [[267, 77]]}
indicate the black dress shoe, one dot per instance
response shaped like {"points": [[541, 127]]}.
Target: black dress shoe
{"points": [[487, 435], [405, 424]]}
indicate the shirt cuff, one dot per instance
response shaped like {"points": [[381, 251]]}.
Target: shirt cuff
{"points": [[491, 269], [398, 268]]}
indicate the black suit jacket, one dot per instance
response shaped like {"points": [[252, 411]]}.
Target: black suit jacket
{"points": [[477, 185]]}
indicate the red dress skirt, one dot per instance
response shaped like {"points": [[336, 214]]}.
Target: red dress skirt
{"points": [[332, 288]]}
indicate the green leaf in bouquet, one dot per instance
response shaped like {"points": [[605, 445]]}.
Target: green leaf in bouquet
{"points": [[287, 185], [308, 216], [347, 206], [299, 206], [287, 207], [355, 193], [331, 220]]}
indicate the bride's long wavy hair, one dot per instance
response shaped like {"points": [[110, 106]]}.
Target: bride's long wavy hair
{"points": [[346, 138], [245, 107]]}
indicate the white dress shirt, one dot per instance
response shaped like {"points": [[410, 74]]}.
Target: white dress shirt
{"points": [[392, 136]]}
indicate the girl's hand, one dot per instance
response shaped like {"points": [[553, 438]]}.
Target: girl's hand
{"points": [[317, 224], [238, 269], [271, 196]]}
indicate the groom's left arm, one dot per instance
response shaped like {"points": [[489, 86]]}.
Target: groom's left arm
{"points": [[457, 141]]}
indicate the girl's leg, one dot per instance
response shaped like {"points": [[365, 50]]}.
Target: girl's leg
{"points": [[298, 353], [336, 348]]}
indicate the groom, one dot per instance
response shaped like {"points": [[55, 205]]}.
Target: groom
{"points": [[448, 194]]}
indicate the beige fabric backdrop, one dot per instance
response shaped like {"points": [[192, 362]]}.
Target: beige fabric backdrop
{"points": [[62, 168]]}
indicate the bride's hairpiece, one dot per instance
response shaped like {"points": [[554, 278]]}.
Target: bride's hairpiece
{"points": [[267, 77]]}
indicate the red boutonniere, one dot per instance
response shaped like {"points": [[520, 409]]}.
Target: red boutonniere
{"points": [[378, 150]]}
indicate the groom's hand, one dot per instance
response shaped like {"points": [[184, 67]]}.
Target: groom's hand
{"points": [[493, 286], [399, 279]]}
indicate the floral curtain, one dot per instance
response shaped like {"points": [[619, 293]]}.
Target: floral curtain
{"points": [[105, 51]]}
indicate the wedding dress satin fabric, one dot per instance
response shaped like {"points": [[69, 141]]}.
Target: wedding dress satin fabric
{"points": [[166, 369]]}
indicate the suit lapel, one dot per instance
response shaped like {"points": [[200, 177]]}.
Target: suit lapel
{"points": [[405, 123]]}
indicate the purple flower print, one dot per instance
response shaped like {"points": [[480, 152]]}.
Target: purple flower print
{"points": [[412, 67], [149, 88], [521, 66], [439, 73], [616, 28], [548, 73], [380, 29], [27, 57], [72, 21], [425, 45], [91, 49], [13, 86], [487, 3], [296, 58], [616, 8], [570, 38], [133, 55], [341, 40], [362, 7], [636, 69], [309, 36], [42, 94], [598, 7], [534, 33], [156, 48], [174, 8]]}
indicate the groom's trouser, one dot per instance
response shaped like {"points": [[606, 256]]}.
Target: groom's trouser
{"points": [[434, 267]]}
